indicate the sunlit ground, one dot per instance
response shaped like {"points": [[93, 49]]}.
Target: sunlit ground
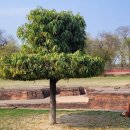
{"points": [[85, 82], [25, 119]]}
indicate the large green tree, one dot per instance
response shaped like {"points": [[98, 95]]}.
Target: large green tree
{"points": [[53, 49]]}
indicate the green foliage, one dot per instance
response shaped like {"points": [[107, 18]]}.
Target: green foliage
{"points": [[127, 42], [55, 31], [52, 50], [50, 66]]}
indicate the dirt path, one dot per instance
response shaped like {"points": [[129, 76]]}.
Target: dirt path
{"points": [[60, 99]]}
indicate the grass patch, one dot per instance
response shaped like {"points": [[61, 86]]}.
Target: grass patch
{"points": [[85, 82], [21, 112], [22, 119], [28, 119]]}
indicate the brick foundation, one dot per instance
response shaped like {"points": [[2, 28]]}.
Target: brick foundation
{"points": [[20, 94], [109, 99], [72, 91]]}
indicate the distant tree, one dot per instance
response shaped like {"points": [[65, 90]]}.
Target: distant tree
{"points": [[105, 46], [8, 45], [3, 40], [123, 31], [56, 41], [124, 34]]}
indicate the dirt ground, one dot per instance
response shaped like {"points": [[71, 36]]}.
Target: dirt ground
{"points": [[60, 99]]}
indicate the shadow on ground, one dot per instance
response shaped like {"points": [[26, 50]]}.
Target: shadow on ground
{"points": [[95, 119]]}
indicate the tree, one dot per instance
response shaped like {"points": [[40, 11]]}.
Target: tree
{"points": [[8, 49], [123, 33], [54, 43], [2, 39], [105, 46], [8, 45]]}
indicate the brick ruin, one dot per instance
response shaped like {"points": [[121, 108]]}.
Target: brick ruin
{"points": [[109, 99], [72, 91], [99, 98], [20, 94], [41, 93]]}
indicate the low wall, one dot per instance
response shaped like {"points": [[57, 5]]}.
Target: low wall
{"points": [[20, 94], [117, 72], [72, 91], [109, 100]]}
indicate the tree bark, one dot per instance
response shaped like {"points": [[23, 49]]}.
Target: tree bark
{"points": [[53, 101]]}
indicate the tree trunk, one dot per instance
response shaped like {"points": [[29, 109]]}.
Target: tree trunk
{"points": [[53, 101]]}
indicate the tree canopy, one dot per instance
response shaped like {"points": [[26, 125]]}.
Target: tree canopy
{"points": [[50, 66], [53, 48], [55, 31]]}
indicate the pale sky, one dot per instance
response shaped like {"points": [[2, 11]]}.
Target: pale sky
{"points": [[100, 15]]}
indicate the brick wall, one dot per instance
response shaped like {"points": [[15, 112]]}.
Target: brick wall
{"points": [[110, 101], [18, 94], [72, 91]]}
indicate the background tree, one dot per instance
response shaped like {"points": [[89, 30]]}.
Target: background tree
{"points": [[123, 33], [8, 45], [105, 46], [56, 41], [127, 41], [2, 38]]}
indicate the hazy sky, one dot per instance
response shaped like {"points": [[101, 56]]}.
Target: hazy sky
{"points": [[100, 15]]}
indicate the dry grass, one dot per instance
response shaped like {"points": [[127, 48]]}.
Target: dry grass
{"points": [[22, 123], [85, 82], [97, 82], [67, 120]]}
